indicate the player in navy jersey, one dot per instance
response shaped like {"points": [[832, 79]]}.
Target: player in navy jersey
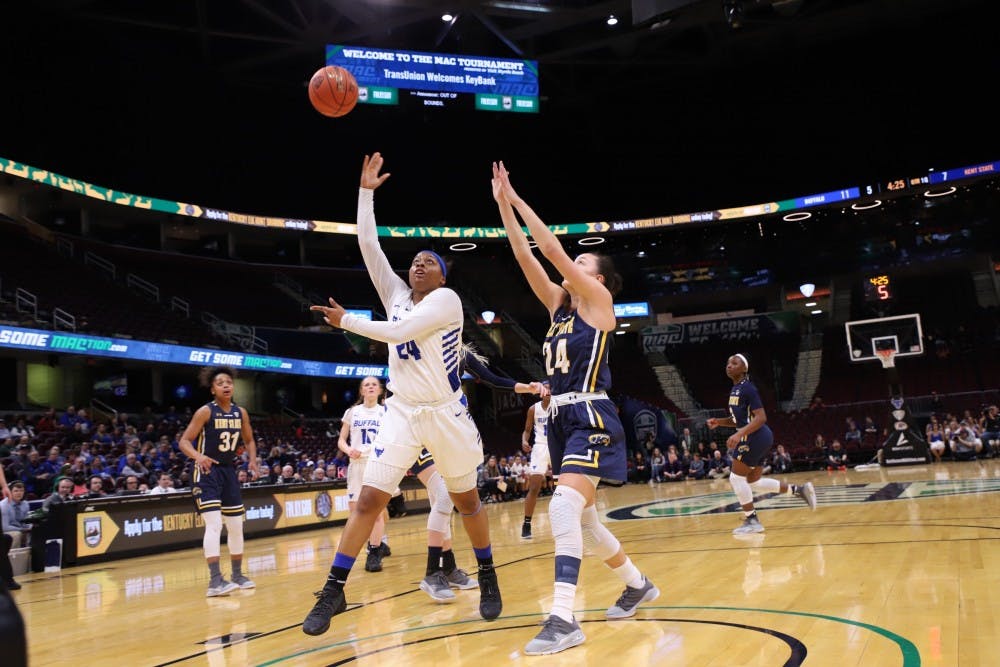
{"points": [[222, 429], [586, 438], [751, 444], [426, 410]]}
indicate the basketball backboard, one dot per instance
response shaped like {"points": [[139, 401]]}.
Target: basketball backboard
{"points": [[902, 333]]}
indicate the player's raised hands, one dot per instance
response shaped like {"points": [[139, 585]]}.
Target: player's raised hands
{"points": [[370, 177], [333, 313], [506, 189]]}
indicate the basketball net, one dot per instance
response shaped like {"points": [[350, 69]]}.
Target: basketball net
{"points": [[887, 357]]}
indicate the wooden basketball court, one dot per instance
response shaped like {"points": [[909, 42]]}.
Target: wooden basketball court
{"points": [[896, 568]]}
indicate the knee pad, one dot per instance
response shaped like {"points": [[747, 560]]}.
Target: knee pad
{"points": [[383, 476], [234, 534], [565, 513], [441, 505], [742, 488], [213, 533], [597, 539]]}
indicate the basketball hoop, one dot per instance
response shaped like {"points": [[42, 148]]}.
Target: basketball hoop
{"points": [[887, 357]]}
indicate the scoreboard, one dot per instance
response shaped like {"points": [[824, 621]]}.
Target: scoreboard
{"points": [[485, 83]]}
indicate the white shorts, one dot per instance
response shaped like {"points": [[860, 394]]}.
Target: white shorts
{"points": [[355, 477], [540, 459], [447, 431], [937, 445]]}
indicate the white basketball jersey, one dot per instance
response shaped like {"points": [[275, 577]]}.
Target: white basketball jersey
{"points": [[541, 424], [364, 423], [424, 339]]}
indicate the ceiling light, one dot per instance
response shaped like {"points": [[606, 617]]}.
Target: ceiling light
{"points": [[816, 312], [488, 316], [807, 289], [865, 207], [734, 11], [625, 325], [810, 304], [619, 333], [795, 217], [591, 240], [612, 20], [930, 194], [521, 7], [447, 17], [462, 247]]}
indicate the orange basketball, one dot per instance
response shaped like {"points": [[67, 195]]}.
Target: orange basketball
{"points": [[333, 91]]}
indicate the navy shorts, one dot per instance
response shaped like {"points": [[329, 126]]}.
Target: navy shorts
{"points": [[424, 461], [217, 490], [754, 450], [588, 438]]}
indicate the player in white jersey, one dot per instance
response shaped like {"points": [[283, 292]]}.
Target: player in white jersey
{"points": [[427, 407], [357, 433], [536, 426]]}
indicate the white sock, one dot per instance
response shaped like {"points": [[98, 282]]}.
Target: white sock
{"points": [[629, 574], [563, 601]]}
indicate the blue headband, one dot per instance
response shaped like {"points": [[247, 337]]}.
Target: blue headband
{"points": [[444, 269]]}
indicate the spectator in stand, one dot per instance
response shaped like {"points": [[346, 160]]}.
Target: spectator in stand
{"points": [[642, 471], [836, 456], [67, 421], [289, 476], [133, 466], [936, 438], [989, 424], [686, 441], [489, 480], [818, 454], [696, 469], [130, 486], [7, 574], [853, 433], [318, 475], [79, 483], [870, 433], [95, 487], [720, 465], [673, 469], [164, 484], [781, 461], [21, 428], [85, 425], [4, 431], [963, 441], [817, 403], [171, 416], [657, 461], [14, 511], [63, 493], [48, 422]]}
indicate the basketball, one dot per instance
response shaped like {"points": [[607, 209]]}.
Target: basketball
{"points": [[333, 91]]}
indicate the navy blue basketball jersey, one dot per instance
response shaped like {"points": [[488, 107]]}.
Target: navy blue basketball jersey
{"points": [[743, 400], [221, 436], [576, 355]]}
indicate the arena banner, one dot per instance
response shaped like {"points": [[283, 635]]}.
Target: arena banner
{"points": [[64, 342], [314, 506], [750, 327], [129, 525]]}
